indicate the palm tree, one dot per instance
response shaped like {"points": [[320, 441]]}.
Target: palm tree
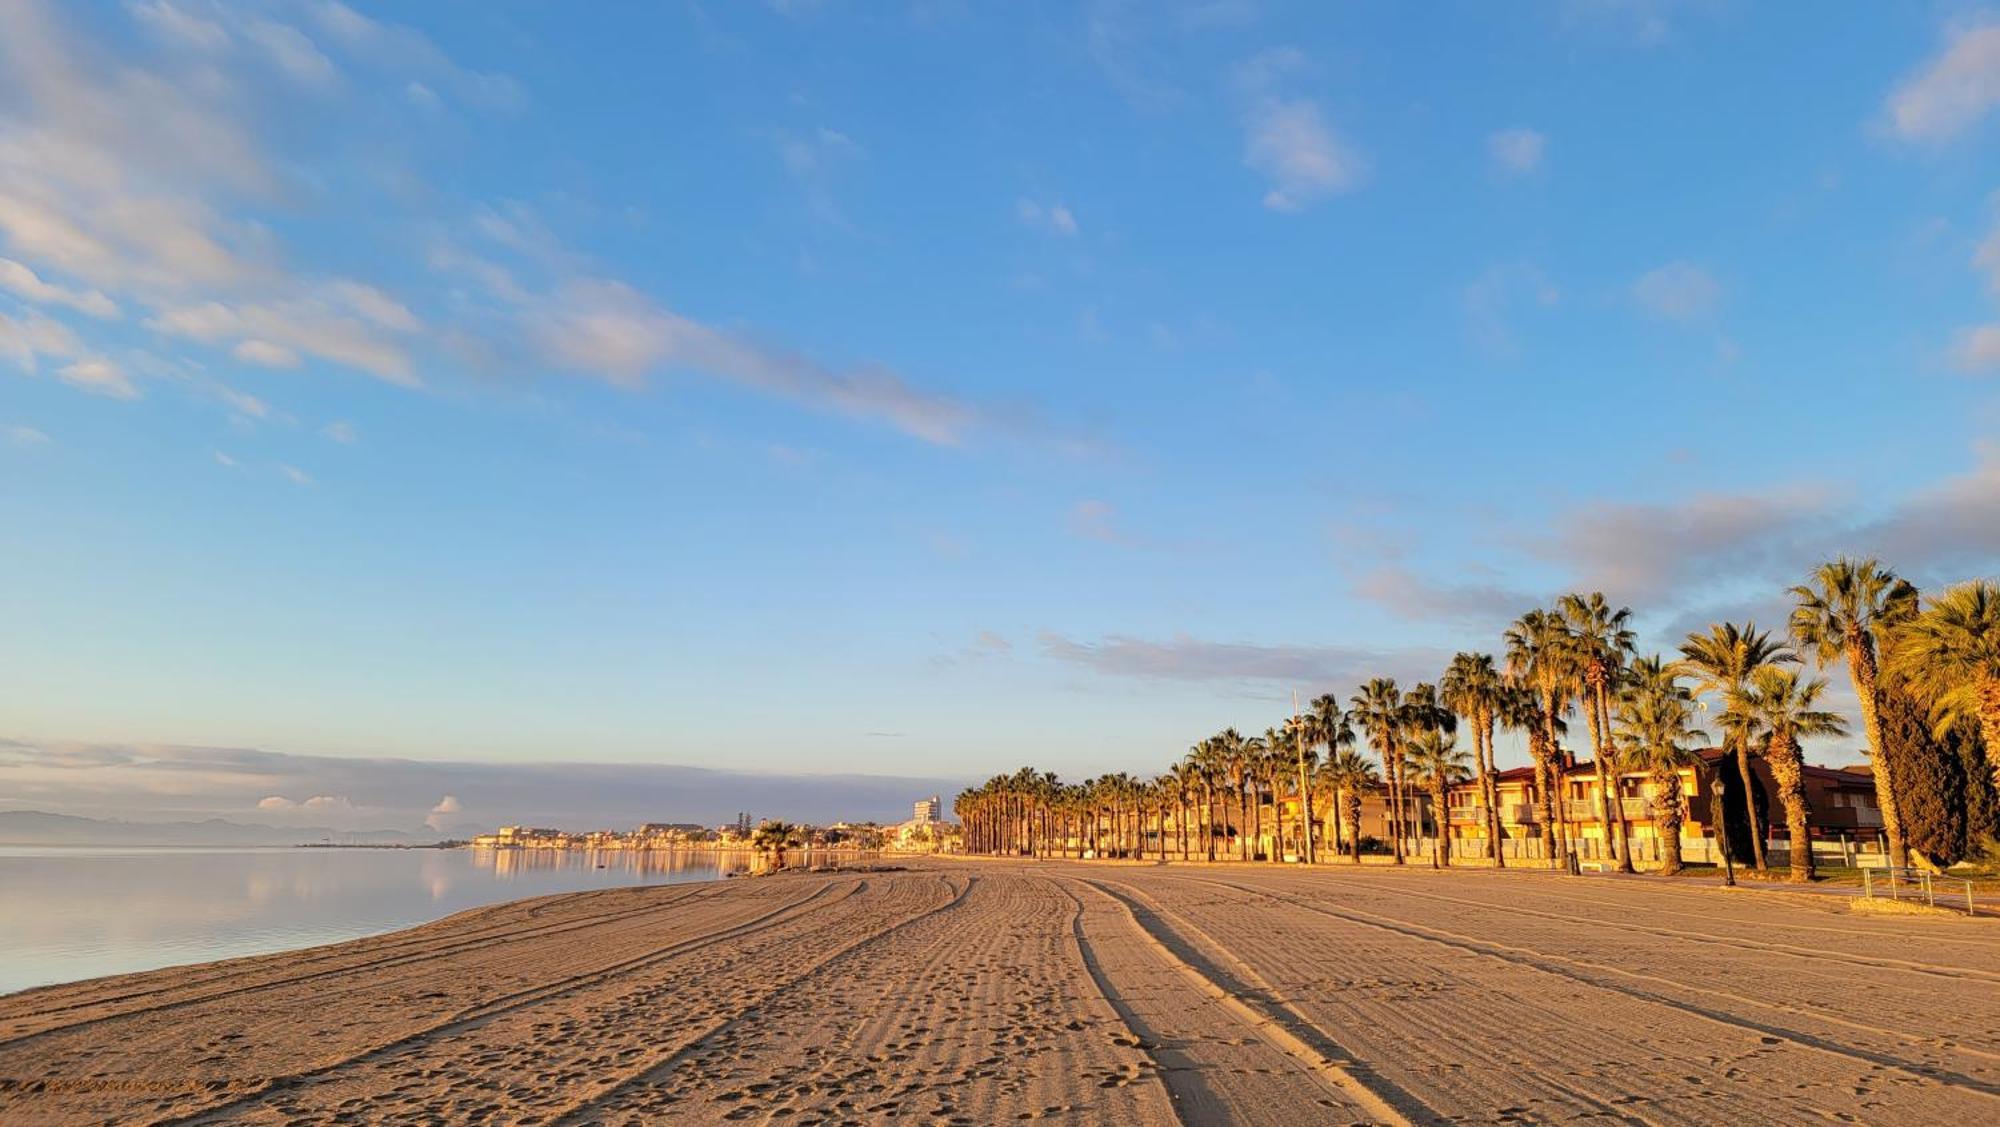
{"points": [[1655, 724], [1350, 773], [1541, 656], [1950, 655], [1723, 661], [1840, 610], [1603, 640], [1206, 759], [1784, 708], [773, 838], [1472, 687], [1184, 777], [1328, 727], [1233, 748], [1422, 712], [1378, 709], [1435, 764]]}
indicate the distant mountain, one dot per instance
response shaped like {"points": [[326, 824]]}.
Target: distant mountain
{"points": [[36, 827]]}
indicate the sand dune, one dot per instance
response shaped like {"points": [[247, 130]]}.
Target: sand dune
{"points": [[981, 992]]}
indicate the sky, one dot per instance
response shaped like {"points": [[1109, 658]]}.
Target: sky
{"points": [[924, 389]]}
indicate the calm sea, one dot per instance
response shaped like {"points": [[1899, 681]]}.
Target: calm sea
{"points": [[73, 913]]}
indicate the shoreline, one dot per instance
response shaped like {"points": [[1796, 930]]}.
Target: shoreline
{"points": [[1074, 992]]}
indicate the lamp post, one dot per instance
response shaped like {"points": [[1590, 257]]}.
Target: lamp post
{"points": [[1298, 726], [1721, 816]]}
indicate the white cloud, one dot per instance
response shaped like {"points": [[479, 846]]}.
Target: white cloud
{"points": [[275, 802], [22, 436], [26, 284], [176, 26], [340, 432], [1056, 218], [1678, 291], [1290, 144], [1978, 349], [1094, 520], [1953, 91], [99, 377], [25, 340], [396, 47], [265, 354], [446, 807], [331, 324], [293, 54], [1185, 658], [605, 328], [243, 403], [224, 460], [294, 474], [1516, 152]]}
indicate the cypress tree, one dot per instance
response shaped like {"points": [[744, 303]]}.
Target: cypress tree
{"points": [[1929, 778]]}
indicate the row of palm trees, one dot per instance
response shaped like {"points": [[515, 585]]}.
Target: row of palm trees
{"points": [[1577, 656]]}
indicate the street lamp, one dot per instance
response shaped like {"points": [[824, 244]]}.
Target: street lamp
{"points": [[1720, 814]]}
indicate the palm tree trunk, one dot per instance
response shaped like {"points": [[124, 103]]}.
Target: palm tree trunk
{"points": [[1605, 824], [1861, 667], [1786, 770], [1668, 820], [1489, 789], [1750, 800], [1354, 821], [1439, 858], [1393, 770]]}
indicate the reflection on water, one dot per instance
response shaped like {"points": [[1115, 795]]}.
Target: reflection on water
{"points": [[71, 913]]}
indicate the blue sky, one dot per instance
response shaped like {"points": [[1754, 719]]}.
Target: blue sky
{"points": [[923, 389]]}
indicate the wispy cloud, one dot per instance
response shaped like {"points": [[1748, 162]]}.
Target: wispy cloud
{"points": [[99, 377], [1055, 217], [1517, 151], [1953, 91], [1678, 291], [158, 782], [1186, 658], [1287, 137], [22, 437]]}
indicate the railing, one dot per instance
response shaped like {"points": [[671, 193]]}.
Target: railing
{"points": [[1468, 815], [1520, 814], [1913, 884]]}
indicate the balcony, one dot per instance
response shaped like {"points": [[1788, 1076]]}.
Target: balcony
{"points": [[1468, 815], [1519, 814]]}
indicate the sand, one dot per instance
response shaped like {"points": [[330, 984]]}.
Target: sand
{"points": [[977, 992]]}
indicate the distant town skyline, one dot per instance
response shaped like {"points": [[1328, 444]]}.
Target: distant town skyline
{"points": [[436, 398]]}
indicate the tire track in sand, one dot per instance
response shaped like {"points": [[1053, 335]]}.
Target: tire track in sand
{"points": [[1539, 961], [446, 946], [498, 1007], [1304, 1048]]}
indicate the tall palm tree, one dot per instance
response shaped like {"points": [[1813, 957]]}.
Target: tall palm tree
{"points": [[1350, 774], [1784, 707], [1603, 640], [1378, 709], [1472, 687], [1206, 758], [1435, 764], [1235, 768], [1422, 712], [1841, 610], [1723, 661], [1541, 656], [1950, 655], [1656, 724], [1329, 727]]}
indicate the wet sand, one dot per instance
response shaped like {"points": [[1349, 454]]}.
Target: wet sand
{"points": [[976, 992]]}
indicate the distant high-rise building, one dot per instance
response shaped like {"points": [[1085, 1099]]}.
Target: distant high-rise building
{"points": [[926, 809]]}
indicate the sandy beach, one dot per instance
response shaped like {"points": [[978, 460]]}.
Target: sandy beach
{"points": [[979, 992]]}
